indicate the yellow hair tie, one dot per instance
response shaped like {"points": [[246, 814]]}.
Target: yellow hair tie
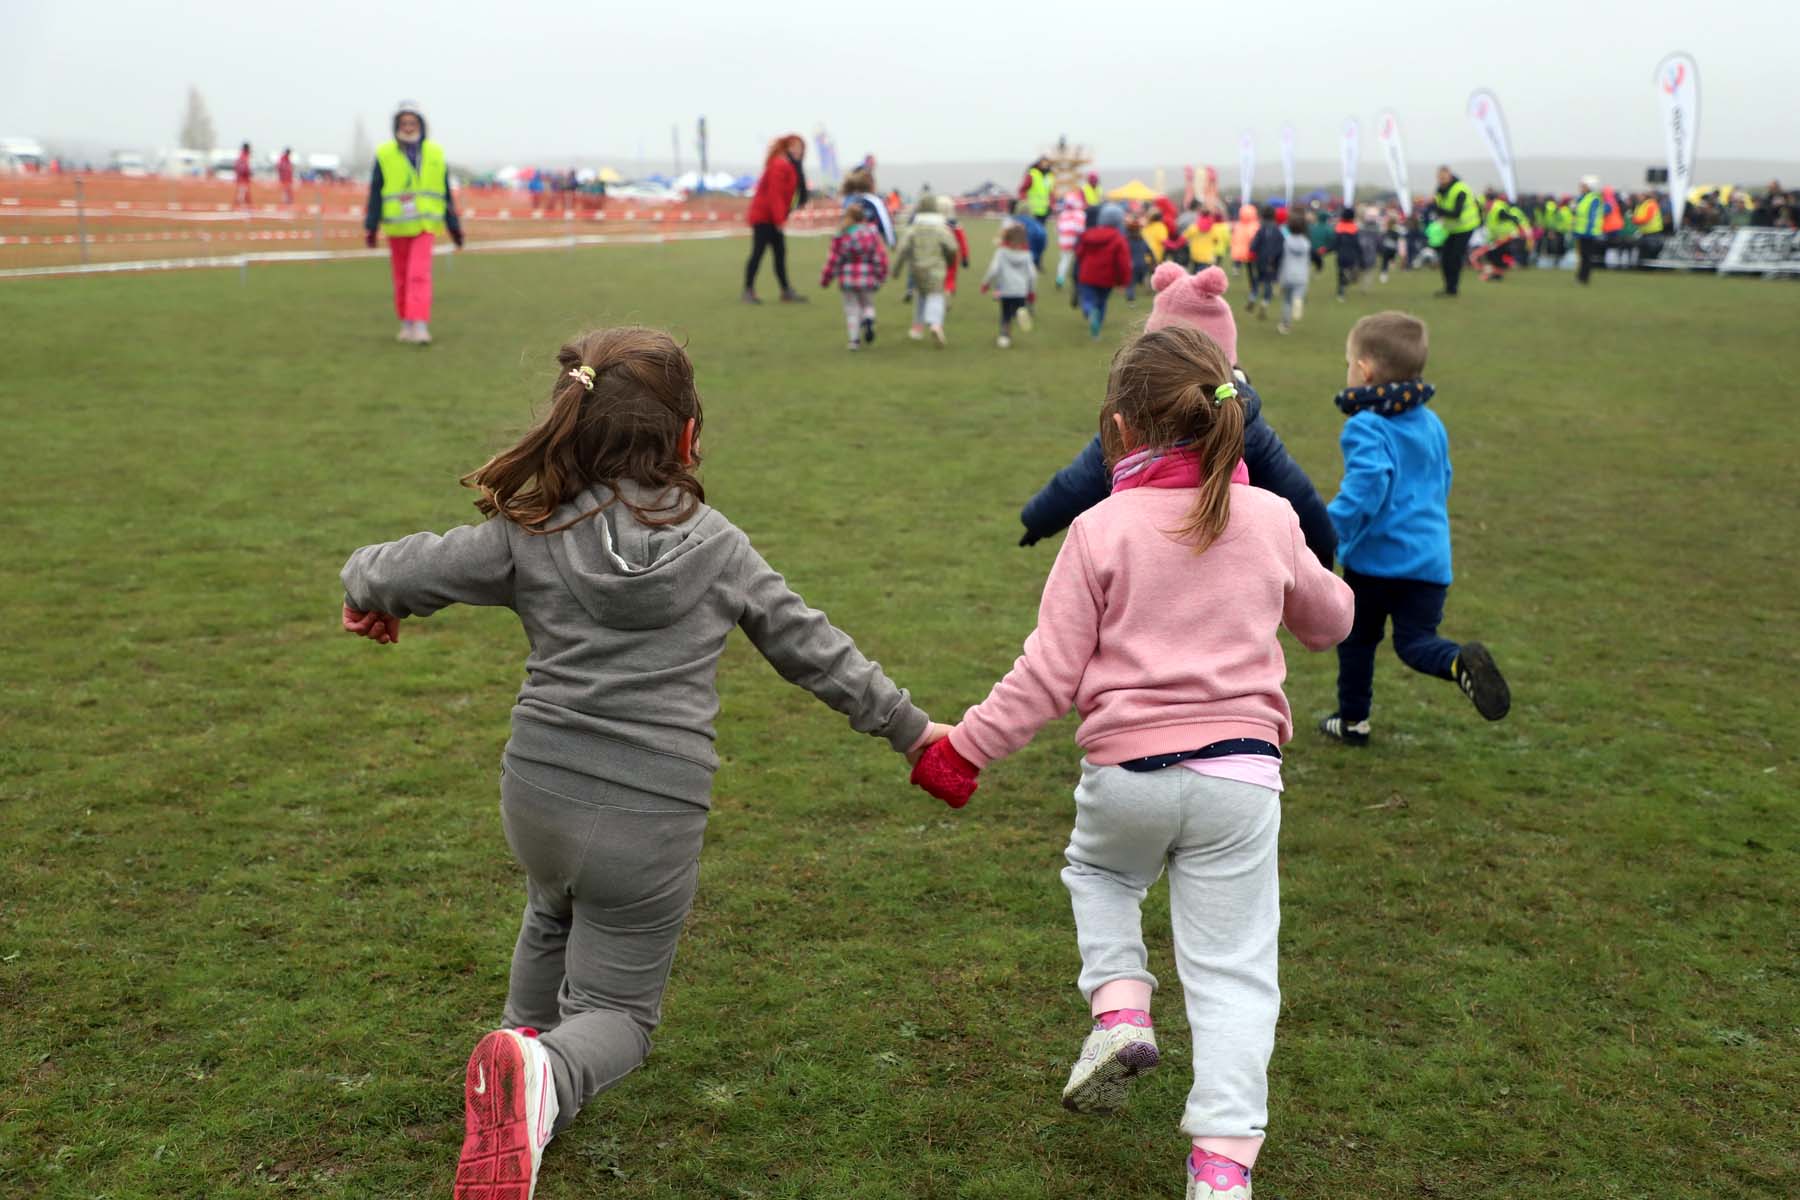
{"points": [[1224, 392], [584, 373]]}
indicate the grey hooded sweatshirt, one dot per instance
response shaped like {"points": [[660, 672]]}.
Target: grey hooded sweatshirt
{"points": [[626, 623]]}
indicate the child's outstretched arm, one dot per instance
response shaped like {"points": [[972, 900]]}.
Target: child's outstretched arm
{"points": [[1368, 477], [809, 651], [1041, 685], [1070, 492], [1319, 608], [417, 575]]}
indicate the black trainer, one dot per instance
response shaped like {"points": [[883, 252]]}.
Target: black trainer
{"points": [[868, 328], [1482, 682], [1351, 733]]}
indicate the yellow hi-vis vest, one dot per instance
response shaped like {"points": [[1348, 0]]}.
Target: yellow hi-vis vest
{"points": [[1037, 196], [1648, 217], [1090, 194], [1464, 220], [413, 200]]}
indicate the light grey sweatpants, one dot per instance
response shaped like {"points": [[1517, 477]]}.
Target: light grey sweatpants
{"points": [[1216, 837], [928, 309], [610, 876]]}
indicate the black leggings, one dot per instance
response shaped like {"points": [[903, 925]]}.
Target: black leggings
{"points": [[767, 236]]}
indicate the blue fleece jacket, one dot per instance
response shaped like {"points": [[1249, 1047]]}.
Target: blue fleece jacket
{"points": [[1086, 482], [1392, 512]]}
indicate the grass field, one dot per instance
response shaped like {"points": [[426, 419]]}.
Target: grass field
{"points": [[255, 905]]}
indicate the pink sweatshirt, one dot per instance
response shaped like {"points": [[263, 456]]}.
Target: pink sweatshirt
{"points": [[1159, 649]]}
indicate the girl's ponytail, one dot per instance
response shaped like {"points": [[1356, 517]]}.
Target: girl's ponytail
{"points": [[617, 408], [1218, 421]]}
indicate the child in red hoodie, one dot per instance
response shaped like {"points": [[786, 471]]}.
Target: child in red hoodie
{"points": [[1102, 263], [1158, 626]]}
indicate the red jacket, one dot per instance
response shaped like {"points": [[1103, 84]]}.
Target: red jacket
{"points": [[774, 198], [243, 166], [962, 248], [1105, 260], [284, 170]]}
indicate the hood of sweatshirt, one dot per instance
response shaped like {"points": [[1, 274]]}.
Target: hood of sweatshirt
{"points": [[629, 575]]}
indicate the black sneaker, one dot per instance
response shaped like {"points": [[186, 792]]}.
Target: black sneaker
{"points": [[868, 328], [1351, 733], [1481, 681]]}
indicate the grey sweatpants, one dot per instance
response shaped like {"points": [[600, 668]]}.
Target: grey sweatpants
{"points": [[610, 876], [1216, 838]]}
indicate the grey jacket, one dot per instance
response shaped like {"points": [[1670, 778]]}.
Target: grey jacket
{"points": [[1011, 273], [1296, 260], [626, 623]]}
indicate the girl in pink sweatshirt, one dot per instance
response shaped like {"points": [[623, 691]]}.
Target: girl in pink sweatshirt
{"points": [[1158, 626]]}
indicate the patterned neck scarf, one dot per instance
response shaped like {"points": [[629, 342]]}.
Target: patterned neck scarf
{"points": [[1387, 399], [1176, 466]]}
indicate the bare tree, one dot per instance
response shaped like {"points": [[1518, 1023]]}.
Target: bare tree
{"points": [[196, 123]]}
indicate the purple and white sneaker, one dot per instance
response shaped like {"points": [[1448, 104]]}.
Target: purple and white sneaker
{"points": [[1121, 1047], [1212, 1176]]}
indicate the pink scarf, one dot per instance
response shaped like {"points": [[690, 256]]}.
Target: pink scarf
{"points": [[1167, 467]]}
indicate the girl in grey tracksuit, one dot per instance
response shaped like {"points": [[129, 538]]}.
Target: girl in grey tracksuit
{"points": [[1295, 271], [627, 589]]}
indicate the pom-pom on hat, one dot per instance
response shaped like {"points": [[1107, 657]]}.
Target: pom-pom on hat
{"points": [[1197, 301]]}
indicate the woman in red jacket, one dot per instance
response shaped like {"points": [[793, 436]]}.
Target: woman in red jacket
{"points": [[779, 192]]}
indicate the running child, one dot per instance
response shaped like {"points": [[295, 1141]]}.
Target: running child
{"points": [[1013, 281], [1140, 246], [928, 250], [1266, 249], [1347, 245], [1102, 263], [1071, 221], [628, 584], [859, 262], [946, 205], [1158, 626], [1295, 272], [1393, 525], [1243, 233]]}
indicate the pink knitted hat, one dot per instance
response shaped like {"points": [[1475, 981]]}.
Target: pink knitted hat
{"points": [[1196, 301]]}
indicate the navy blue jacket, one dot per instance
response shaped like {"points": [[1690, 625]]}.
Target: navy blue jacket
{"points": [[1086, 482]]}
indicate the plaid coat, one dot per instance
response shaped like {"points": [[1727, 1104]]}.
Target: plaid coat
{"points": [[859, 259]]}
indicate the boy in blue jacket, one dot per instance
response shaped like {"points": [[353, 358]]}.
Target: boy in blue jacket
{"points": [[1393, 525]]}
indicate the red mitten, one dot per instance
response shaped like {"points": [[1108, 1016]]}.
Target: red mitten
{"points": [[946, 774]]}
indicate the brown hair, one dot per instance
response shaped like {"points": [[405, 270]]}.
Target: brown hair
{"points": [[780, 146], [1165, 384], [1013, 235], [1395, 342], [626, 426]]}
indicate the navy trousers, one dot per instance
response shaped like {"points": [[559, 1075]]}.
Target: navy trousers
{"points": [[1416, 608]]}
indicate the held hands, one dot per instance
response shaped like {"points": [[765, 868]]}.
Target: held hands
{"points": [[379, 627], [935, 732], [945, 773]]}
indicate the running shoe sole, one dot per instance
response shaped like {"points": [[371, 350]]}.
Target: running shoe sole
{"points": [[1484, 683], [497, 1156], [1106, 1089]]}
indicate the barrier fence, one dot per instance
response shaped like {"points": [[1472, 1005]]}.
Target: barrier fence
{"points": [[1748, 251], [79, 224]]}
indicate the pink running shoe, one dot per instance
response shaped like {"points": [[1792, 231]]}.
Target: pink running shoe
{"points": [[509, 1110], [1215, 1177]]}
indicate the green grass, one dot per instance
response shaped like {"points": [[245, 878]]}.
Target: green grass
{"points": [[255, 904]]}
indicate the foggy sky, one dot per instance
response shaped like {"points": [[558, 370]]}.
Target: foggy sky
{"points": [[541, 82]]}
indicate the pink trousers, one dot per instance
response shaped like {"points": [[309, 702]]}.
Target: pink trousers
{"points": [[411, 259]]}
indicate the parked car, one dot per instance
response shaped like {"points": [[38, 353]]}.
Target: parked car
{"points": [[129, 163]]}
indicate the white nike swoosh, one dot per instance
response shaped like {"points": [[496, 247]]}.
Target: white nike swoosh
{"points": [[480, 1080]]}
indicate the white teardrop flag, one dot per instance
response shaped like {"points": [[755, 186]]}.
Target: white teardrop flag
{"points": [[1678, 88], [1287, 164], [1350, 153], [1246, 166], [1490, 122], [1387, 133]]}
